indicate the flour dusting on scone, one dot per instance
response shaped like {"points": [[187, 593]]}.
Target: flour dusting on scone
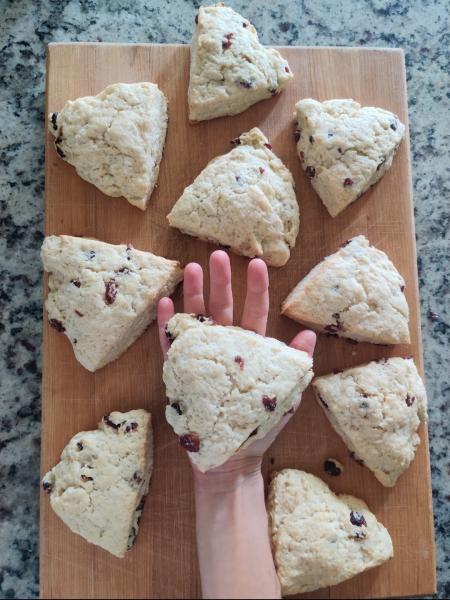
{"points": [[318, 538], [345, 148], [355, 293], [98, 488], [244, 200], [115, 140], [103, 296], [227, 386], [377, 409], [230, 68]]}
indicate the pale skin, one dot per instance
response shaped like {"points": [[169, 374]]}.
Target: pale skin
{"points": [[233, 544]]}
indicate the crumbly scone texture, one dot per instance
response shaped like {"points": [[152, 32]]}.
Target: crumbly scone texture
{"points": [[355, 293], [98, 487], [115, 140], [318, 538], [103, 296], [245, 200], [227, 386], [377, 409], [345, 148], [230, 68]]}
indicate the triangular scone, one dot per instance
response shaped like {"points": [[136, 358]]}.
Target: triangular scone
{"points": [[376, 409], [115, 140], [227, 386], [318, 538], [345, 148], [245, 200], [355, 293], [103, 296], [99, 485], [230, 68]]}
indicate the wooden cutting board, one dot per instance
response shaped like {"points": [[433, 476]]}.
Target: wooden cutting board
{"points": [[163, 563]]}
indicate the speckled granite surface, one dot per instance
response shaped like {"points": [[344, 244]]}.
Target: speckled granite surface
{"points": [[421, 27]]}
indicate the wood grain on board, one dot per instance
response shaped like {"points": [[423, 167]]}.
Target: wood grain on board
{"points": [[163, 563]]}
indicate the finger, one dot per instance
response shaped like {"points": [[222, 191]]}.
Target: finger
{"points": [[305, 340], [220, 292], [165, 312], [193, 289], [256, 307]]}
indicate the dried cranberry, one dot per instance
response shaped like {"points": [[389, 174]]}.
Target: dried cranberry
{"points": [[246, 84], [311, 139], [244, 24], [47, 487], [59, 151], [110, 291], [137, 477], [196, 19], [297, 135], [348, 182], [91, 254], [330, 134], [239, 361], [169, 336], [57, 325], [310, 171], [110, 423], [432, 316], [273, 91], [270, 403], [236, 142], [332, 329], [287, 69], [130, 247], [357, 519], [86, 478], [410, 400], [226, 44], [190, 442], [124, 270], [360, 535], [238, 178], [176, 407], [79, 446], [269, 146], [261, 170], [332, 467], [131, 427], [402, 288], [357, 459], [393, 126], [302, 156], [322, 401], [53, 120], [77, 312], [75, 282]]}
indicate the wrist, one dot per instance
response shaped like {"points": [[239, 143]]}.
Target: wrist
{"points": [[234, 474]]}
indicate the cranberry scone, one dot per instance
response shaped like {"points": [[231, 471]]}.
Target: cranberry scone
{"points": [[103, 296], [98, 488], [345, 148], [320, 538], [244, 200], [355, 293], [376, 409], [230, 69], [115, 140], [227, 386]]}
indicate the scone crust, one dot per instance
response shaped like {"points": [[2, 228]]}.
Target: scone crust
{"points": [[98, 487], [315, 544], [115, 140], [230, 69], [355, 293], [345, 148], [103, 296], [376, 409], [244, 200], [227, 386]]}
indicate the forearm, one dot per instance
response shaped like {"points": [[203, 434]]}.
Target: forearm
{"points": [[232, 536]]}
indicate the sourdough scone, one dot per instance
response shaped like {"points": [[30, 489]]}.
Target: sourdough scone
{"points": [[230, 68], [227, 386], [345, 148], [355, 293], [115, 140], [376, 409], [318, 538], [103, 296], [244, 200], [98, 488]]}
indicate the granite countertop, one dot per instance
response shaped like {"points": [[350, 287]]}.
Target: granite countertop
{"points": [[420, 27]]}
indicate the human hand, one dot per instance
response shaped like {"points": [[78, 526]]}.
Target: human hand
{"points": [[254, 317]]}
